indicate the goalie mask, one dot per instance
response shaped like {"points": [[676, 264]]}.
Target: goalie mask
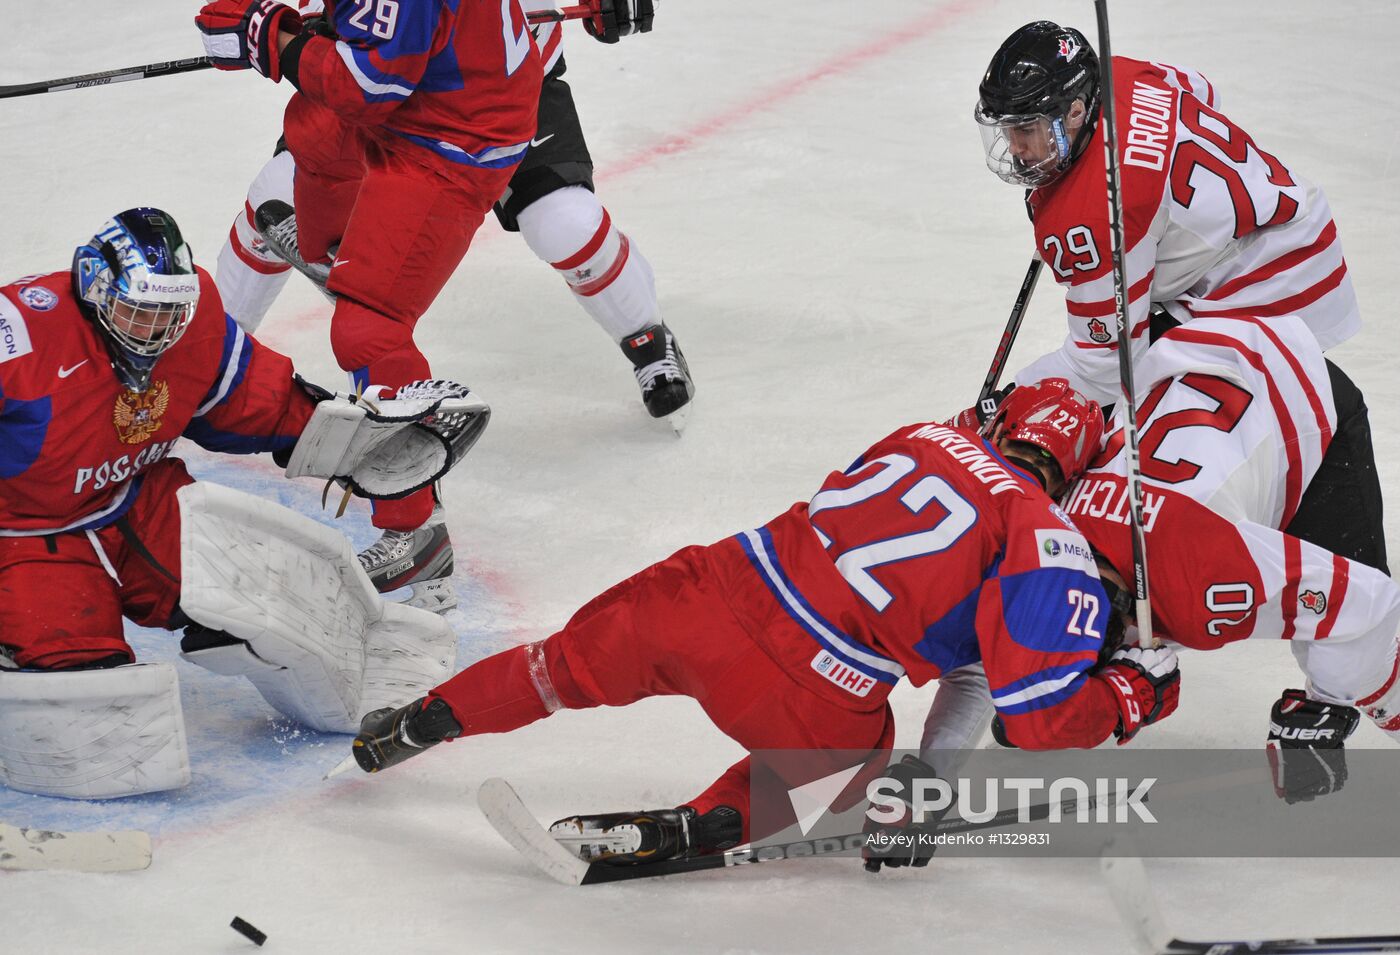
{"points": [[1049, 429], [1038, 103], [136, 279]]}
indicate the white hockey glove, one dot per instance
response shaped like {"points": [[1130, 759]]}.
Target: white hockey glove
{"points": [[390, 449]]}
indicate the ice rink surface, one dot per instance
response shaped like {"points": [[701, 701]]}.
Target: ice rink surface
{"points": [[836, 260]]}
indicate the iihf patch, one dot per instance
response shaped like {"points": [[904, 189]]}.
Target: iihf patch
{"points": [[1098, 331], [38, 298], [1062, 517]]}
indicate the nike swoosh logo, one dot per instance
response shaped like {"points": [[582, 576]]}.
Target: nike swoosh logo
{"points": [[339, 262], [65, 372], [536, 142]]}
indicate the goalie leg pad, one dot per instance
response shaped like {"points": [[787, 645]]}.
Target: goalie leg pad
{"points": [[317, 640], [93, 734]]}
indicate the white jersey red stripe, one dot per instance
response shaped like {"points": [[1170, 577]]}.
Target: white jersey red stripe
{"points": [[1214, 225]]}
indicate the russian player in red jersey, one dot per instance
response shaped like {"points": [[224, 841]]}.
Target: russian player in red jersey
{"points": [[935, 550], [1215, 226], [409, 119], [103, 368]]}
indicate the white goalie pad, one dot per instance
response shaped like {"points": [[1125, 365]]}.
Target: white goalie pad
{"points": [[93, 734], [321, 645], [394, 447]]}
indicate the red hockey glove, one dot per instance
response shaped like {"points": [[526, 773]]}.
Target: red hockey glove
{"points": [[973, 418], [614, 19], [1147, 685], [239, 34]]}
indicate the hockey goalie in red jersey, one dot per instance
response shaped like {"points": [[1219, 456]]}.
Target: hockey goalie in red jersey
{"points": [[103, 368], [934, 550]]}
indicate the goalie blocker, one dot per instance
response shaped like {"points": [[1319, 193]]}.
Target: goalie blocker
{"points": [[388, 449]]}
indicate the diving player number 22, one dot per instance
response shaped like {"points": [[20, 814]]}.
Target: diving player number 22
{"points": [[856, 563]]}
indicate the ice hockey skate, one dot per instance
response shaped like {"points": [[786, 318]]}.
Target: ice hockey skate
{"points": [[420, 559], [277, 224], [661, 371], [636, 838]]}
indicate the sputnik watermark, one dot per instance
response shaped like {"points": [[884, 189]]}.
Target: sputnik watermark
{"points": [[1113, 800]]}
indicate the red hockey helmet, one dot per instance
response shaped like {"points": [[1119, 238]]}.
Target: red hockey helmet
{"points": [[1052, 416]]}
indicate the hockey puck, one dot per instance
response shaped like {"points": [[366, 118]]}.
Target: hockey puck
{"points": [[248, 931]]}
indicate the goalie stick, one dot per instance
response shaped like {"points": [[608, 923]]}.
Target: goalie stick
{"points": [[509, 817], [31, 849], [195, 63], [1132, 898]]}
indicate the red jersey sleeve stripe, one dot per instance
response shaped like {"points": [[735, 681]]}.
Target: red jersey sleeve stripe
{"points": [[1304, 382], [1284, 306], [1107, 306], [1268, 270], [1341, 574], [1293, 571]]}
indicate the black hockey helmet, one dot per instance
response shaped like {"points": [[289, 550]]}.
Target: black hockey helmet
{"points": [[136, 280], [1026, 106]]}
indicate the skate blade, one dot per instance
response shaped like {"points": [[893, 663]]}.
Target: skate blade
{"points": [[346, 764], [436, 596], [676, 421]]}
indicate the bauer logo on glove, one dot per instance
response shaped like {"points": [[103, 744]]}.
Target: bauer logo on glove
{"points": [[390, 449]]}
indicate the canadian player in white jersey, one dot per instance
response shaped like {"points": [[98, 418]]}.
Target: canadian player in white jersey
{"points": [[1215, 227], [1235, 416]]}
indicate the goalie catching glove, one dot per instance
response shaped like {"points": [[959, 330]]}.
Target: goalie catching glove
{"points": [[389, 449]]}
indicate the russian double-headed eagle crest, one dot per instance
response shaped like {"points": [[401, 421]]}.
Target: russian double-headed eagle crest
{"points": [[137, 414]]}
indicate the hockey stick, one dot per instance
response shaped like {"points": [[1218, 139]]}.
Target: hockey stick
{"points": [[1132, 898], [1125, 334], [509, 817], [1008, 337], [195, 63], [31, 849]]}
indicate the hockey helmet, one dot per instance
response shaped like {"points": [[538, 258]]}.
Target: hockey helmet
{"points": [[1052, 421], [1031, 128], [137, 280]]}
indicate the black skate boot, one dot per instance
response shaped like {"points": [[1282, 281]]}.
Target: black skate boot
{"points": [[661, 372], [277, 224], [420, 559], [637, 838]]}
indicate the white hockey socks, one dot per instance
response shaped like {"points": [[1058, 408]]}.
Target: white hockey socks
{"points": [[608, 274], [250, 276]]}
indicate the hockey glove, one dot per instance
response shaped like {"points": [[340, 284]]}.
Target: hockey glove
{"points": [[388, 737], [1305, 746], [907, 840], [242, 34], [614, 19], [1146, 685], [975, 417]]}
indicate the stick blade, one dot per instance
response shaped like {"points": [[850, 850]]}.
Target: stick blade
{"points": [[40, 849], [509, 817], [1126, 878]]}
